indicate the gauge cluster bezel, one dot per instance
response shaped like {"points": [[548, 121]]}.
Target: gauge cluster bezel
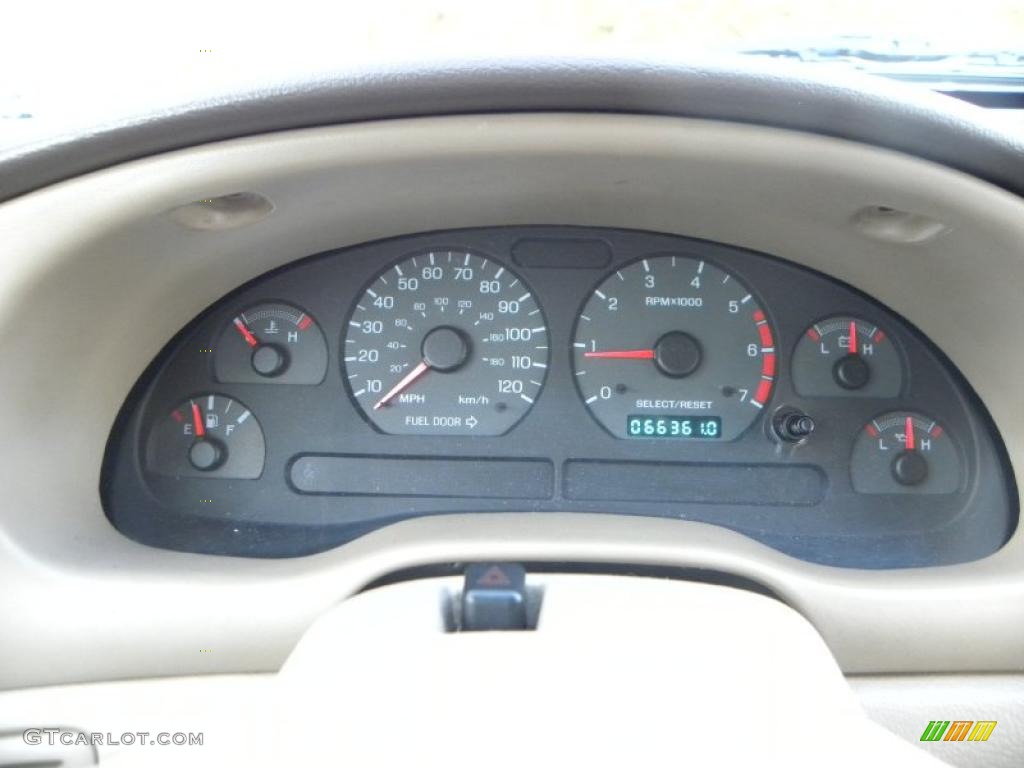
{"points": [[268, 518]]}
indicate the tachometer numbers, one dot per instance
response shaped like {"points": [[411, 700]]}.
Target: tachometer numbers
{"points": [[207, 436], [271, 343], [846, 357], [904, 452], [674, 344], [446, 342]]}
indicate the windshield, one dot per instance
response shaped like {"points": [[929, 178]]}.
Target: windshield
{"points": [[67, 66]]}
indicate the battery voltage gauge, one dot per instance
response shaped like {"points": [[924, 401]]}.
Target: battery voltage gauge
{"points": [[846, 356]]}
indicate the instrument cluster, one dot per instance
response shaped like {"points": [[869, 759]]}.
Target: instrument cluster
{"points": [[557, 369]]}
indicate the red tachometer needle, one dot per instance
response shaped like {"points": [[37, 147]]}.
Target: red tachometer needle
{"points": [[908, 430], [623, 354], [251, 340], [409, 378], [853, 337], [197, 421]]}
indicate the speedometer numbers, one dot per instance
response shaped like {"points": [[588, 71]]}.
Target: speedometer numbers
{"points": [[446, 343], [673, 346]]}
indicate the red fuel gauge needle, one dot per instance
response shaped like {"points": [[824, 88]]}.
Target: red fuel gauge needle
{"points": [[908, 430], [623, 354], [197, 421], [408, 379], [853, 337], [251, 340]]}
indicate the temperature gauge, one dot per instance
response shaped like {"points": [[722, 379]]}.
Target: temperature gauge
{"points": [[207, 435], [903, 452], [271, 343], [846, 357]]}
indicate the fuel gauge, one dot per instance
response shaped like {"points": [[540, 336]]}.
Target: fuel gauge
{"points": [[846, 356], [904, 452], [271, 343], [207, 435]]}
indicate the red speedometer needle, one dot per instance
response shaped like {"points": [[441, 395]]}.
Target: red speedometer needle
{"points": [[623, 354], [908, 430], [197, 421], [409, 378], [251, 340], [853, 337]]}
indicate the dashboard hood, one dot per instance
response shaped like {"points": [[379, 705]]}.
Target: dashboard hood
{"points": [[845, 105]]}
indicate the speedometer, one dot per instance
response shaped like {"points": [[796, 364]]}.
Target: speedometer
{"points": [[446, 342], [674, 347]]}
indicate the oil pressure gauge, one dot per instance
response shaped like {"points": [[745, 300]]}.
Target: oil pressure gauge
{"points": [[846, 356], [904, 452], [207, 436]]}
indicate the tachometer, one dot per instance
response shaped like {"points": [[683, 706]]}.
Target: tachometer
{"points": [[446, 342], [674, 347]]}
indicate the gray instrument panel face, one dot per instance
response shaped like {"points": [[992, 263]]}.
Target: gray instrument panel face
{"points": [[462, 391]]}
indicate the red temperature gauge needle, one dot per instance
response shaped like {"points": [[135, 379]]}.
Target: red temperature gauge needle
{"points": [[251, 340], [409, 378], [908, 430], [853, 337], [623, 354], [197, 421]]}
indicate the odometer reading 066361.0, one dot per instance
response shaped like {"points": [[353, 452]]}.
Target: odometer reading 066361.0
{"points": [[707, 427], [446, 342], [672, 346]]}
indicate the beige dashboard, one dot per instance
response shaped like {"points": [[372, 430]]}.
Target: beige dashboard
{"points": [[112, 251]]}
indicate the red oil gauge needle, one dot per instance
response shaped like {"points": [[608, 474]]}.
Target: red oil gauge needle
{"points": [[408, 379], [251, 340], [853, 337], [623, 354], [197, 421], [908, 430]]}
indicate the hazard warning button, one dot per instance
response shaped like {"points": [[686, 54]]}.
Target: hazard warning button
{"points": [[494, 597]]}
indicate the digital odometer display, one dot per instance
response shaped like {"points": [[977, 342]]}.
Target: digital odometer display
{"points": [[446, 343], [680, 427]]}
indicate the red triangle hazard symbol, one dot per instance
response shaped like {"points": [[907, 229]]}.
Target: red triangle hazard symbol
{"points": [[494, 577]]}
